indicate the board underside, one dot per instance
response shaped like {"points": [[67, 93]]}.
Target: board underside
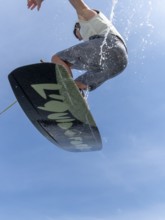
{"points": [[53, 103]]}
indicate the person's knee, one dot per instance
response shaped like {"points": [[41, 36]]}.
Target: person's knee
{"points": [[123, 59], [123, 64], [55, 58]]}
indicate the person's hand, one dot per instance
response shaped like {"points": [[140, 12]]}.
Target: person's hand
{"points": [[34, 3]]}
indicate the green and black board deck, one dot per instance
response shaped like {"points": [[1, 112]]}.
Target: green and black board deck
{"points": [[53, 103]]}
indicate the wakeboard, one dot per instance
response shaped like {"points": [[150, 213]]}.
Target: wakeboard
{"points": [[51, 100]]}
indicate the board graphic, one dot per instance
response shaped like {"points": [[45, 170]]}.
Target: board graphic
{"points": [[53, 103]]}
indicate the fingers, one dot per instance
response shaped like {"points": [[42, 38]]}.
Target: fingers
{"points": [[39, 6], [31, 4]]}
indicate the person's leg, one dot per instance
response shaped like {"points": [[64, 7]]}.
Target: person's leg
{"points": [[102, 59], [113, 61], [57, 60], [83, 56]]}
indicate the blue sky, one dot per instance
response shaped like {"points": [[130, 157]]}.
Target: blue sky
{"points": [[126, 179]]}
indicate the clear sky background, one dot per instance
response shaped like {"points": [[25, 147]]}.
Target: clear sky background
{"points": [[124, 181]]}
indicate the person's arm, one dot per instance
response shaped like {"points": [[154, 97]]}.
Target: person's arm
{"points": [[34, 3], [83, 10]]}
